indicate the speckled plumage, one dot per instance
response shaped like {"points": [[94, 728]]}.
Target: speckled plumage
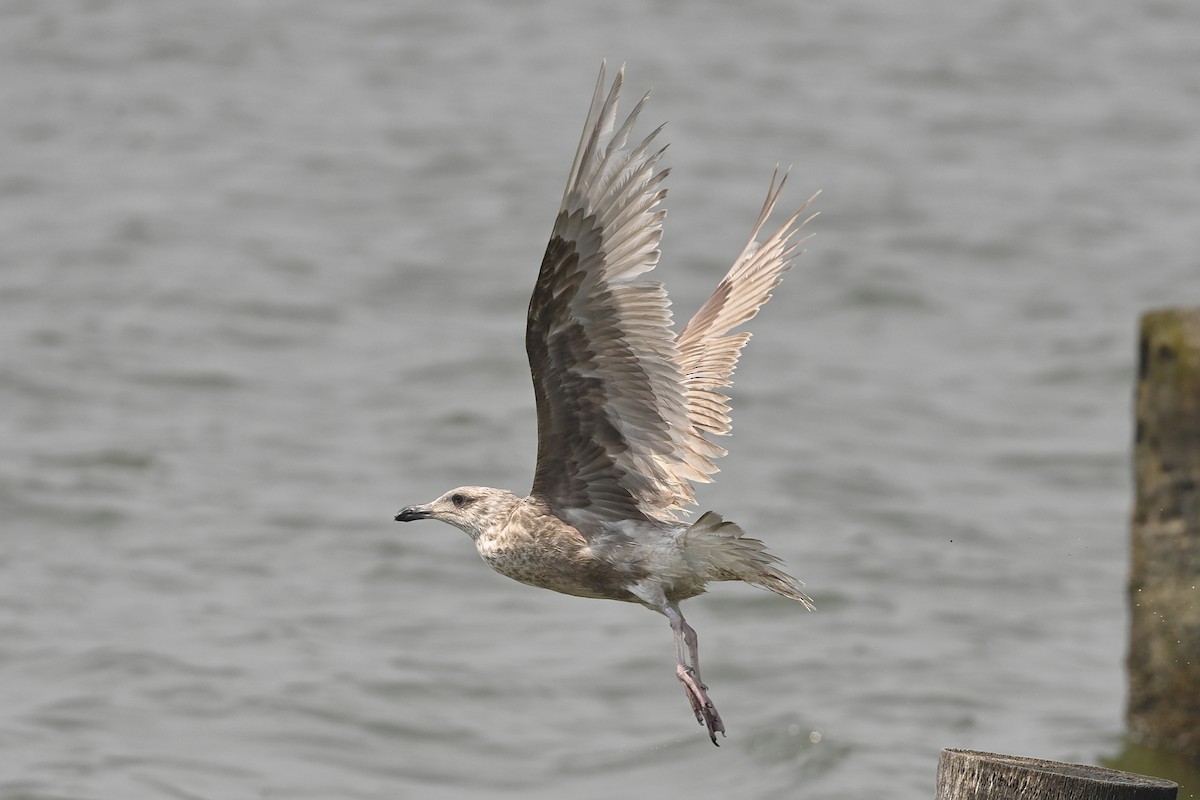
{"points": [[626, 407]]}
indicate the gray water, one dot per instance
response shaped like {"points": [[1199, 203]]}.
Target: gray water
{"points": [[263, 273]]}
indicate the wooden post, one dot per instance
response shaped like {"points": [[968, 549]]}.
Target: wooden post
{"points": [[969, 775], [1164, 584]]}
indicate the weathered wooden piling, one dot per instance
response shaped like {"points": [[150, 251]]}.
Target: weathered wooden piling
{"points": [[970, 775], [1164, 585]]}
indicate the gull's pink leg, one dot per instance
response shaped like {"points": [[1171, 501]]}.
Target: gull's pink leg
{"points": [[689, 674]]}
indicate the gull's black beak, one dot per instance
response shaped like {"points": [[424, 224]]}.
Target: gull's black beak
{"points": [[411, 513]]}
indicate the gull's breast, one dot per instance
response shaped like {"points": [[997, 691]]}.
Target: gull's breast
{"points": [[552, 554]]}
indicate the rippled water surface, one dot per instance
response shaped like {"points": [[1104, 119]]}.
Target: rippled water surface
{"points": [[263, 274]]}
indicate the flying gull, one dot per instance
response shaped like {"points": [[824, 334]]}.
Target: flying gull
{"points": [[627, 408]]}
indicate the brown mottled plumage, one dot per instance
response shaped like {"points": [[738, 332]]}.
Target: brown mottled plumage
{"points": [[625, 407]]}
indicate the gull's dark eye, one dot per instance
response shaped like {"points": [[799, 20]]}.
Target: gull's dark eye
{"points": [[459, 500]]}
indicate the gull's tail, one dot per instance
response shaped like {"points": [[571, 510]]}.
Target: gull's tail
{"points": [[727, 554]]}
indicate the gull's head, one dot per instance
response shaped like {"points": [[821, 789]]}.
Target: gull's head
{"points": [[471, 509]]}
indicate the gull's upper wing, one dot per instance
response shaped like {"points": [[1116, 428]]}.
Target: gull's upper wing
{"points": [[616, 438], [708, 352]]}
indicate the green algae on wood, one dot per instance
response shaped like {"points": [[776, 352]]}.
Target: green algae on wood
{"points": [[1164, 587]]}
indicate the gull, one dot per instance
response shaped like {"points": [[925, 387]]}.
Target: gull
{"points": [[626, 407]]}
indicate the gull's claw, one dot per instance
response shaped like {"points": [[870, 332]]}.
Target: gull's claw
{"points": [[702, 707]]}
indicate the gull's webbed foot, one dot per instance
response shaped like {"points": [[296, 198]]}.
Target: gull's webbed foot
{"points": [[702, 707]]}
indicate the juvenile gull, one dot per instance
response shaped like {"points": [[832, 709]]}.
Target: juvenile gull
{"points": [[625, 406]]}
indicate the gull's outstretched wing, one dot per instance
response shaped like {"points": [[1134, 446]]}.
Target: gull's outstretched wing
{"points": [[624, 406], [708, 352], [616, 439]]}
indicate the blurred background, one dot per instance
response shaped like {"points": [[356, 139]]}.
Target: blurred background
{"points": [[263, 277]]}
